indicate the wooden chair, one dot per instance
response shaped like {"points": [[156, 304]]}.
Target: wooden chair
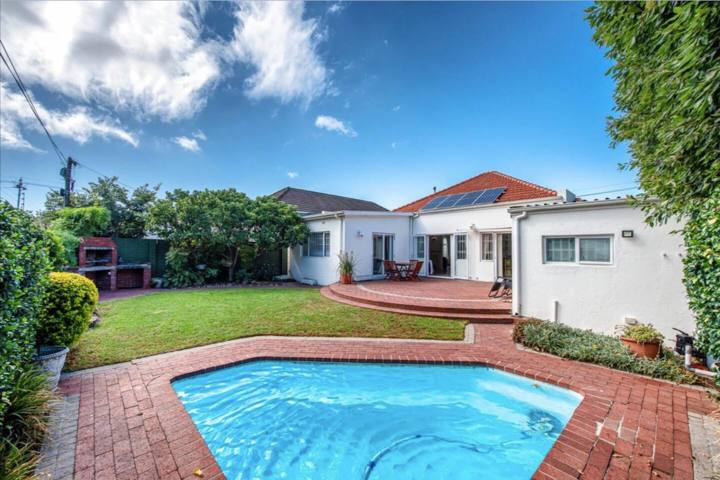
{"points": [[415, 267], [391, 270]]}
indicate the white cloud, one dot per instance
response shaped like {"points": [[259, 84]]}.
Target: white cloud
{"points": [[200, 135], [187, 143], [334, 125], [78, 123], [293, 174], [282, 47], [336, 8], [144, 57]]}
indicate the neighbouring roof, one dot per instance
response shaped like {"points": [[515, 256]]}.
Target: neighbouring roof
{"points": [[308, 201], [515, 189]]}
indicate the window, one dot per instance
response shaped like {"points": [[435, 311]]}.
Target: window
{"points": [[595, 249], [487, 249], [317, 245], [420, 248], [560, 249], [461, 247], [586, 249]]}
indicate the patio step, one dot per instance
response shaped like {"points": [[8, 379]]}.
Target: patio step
{"points": [[456, 307], [495, 317]]}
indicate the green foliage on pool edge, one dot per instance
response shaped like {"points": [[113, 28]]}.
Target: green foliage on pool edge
{"points": [[587, 346]]}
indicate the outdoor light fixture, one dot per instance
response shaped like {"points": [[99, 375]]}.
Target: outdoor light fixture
{"points": [[628, 234]]}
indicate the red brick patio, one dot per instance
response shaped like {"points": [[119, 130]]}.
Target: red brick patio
{"points": [[431, 297], [132, 425]]}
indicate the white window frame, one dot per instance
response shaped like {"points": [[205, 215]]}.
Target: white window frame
{"points": [[576, 244], [464, 249], [417, 256], [486, 256], [325, 242]]}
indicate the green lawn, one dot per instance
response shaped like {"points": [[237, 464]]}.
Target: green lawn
{"points": [[162, 322]]}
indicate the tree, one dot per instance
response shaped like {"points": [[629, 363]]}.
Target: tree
{"points": [[218, 230], [82, 221], [667, 71], [128, 212]]}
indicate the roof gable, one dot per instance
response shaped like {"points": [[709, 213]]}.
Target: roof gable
{"points": [[307, 201], [516, 189]]}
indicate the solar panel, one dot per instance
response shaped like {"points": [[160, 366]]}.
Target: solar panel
{"points": [[489, 196], [468, 198], [450, 200], [433, 203], [478, 197]]}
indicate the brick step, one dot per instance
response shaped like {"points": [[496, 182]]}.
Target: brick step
{"points": [[353, 293], [502, 318]]}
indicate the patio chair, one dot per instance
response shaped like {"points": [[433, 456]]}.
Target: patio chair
{"points": [[391, 270], [415, 267], [506, 288], [497, 286]]}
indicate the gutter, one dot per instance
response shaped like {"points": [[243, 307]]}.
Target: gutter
{"points": [[617, 202]]}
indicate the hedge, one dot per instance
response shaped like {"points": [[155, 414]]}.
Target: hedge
{"points": [[587, 346], [69, 304], [702, 272], [24, 265]]}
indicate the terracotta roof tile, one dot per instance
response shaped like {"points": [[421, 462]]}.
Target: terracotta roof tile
{"points": [[516, 190]]}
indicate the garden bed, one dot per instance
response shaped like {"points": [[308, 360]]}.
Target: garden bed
{"points": [[587, 346]]}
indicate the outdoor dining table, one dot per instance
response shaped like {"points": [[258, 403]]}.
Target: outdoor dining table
{"points": [[403, 268]]}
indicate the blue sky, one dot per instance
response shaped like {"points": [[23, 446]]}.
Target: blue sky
{"points": [[381, 101]]}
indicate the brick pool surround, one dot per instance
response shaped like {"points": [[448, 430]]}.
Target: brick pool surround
{"points": [[131, 424]]}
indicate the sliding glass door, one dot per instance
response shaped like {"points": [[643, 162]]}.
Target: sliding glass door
{"points": [[383, 249]]}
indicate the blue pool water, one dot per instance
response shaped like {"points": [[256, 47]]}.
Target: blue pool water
{"points": [[348, 421]]}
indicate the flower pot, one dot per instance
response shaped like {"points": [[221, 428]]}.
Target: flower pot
{"points": [[642, 350], [51, 360], [346, 278]]}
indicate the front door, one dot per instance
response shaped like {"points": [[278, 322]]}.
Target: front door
{"points": [[461, 261], [383, 249], [506, 255]]}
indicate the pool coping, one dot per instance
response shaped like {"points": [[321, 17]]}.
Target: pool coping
{"points": [[131, 424]]}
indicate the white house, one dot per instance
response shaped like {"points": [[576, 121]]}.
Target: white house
{"points": [[596, 265], [589, 264]]}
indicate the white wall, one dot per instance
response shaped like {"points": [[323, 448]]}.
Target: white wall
{"points": [[644, 280], [321, 269], [359, 232], [491, 218], [344, 236]]}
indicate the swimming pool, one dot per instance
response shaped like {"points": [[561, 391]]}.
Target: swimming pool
{"points": [[317, 420]]}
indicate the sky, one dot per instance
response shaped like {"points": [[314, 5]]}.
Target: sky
{"points": [[381, 101]]}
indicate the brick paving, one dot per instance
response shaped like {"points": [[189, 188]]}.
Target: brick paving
{"points": [[460, 299], [132, 425]]}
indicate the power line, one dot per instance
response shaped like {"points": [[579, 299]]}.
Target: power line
{"points": [[32, 183], [609, 191], [5, 56]]}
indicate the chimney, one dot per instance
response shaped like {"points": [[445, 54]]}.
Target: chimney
{"points": [[434, 189], [567, 195]]}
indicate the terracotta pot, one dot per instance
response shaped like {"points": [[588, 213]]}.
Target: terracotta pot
{"points": [[642, 350], [346, 278]]}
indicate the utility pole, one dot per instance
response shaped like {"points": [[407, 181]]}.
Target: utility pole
{"points": [[21, 193], [66, 172]]}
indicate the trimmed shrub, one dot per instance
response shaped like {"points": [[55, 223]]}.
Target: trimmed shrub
{"points": [[82, 221], [24, 266], [68, 308], [518, 333], [591, 347]]}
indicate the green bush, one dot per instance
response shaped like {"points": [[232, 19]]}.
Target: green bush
{"points": [[24, 424], [24, 265], [702, 272], [63, 248], [518, 333], [587, 346], [68, 308]]}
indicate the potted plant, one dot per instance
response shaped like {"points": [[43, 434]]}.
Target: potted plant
{"points": [[346, 267], [68, 306], [642, 340]]}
